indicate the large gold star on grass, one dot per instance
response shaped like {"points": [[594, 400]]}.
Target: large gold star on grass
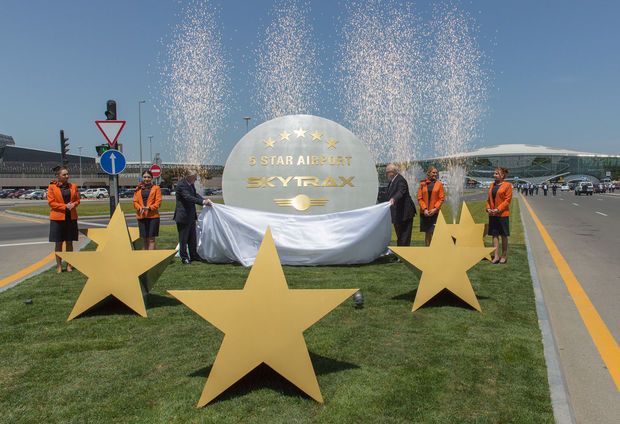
{"points": [[100, 235], [467, 233], [443, 265], [263, 323], [114, 268]]}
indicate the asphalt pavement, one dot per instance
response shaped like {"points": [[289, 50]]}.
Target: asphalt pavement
{"points": [[24, 239], [586, 230]]}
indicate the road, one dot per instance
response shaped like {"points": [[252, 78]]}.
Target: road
{"points": [[24, 240], [586, 230]]}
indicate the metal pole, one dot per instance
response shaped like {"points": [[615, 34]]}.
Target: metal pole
{"points": [[150, 148], [140, 131], [247, 123], [80, 150]]}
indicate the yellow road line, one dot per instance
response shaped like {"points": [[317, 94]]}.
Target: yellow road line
{"points": [[22, 273], [601, 336], [23, 218]]}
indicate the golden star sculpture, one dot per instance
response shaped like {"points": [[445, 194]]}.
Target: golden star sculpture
{"points": [[467, 233], [100, 235], [443, 265], [263, 323], [114, 268]]}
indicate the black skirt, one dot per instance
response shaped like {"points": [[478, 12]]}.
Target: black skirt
{"points": [[66, 230], [427, 223], [149, 227], [499, 226]]}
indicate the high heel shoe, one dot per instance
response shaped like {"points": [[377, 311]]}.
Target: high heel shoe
{"points": [[496, 261], [69, 268], [503, 261]]}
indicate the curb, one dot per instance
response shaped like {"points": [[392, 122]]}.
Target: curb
{"points": [[562, 410], [25, 214]]}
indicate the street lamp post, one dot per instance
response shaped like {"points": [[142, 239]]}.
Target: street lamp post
{"points": [[80, 150], [150, 148], [247, 123], [140, 132]]}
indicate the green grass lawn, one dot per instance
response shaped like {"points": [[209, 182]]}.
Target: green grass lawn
{"points": [[381, 364], [88, 208]]}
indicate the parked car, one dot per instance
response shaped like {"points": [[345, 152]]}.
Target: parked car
{"points": [[6, 192], [40, 195], [34, 194], [584, 187], [127, 193], [564, 187], [15, 194], [26, 193], [95, 193]]}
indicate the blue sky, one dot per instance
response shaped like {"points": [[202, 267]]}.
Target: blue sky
{"points": [[554, 67]]}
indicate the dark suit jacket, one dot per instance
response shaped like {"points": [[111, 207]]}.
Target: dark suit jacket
{"points": [[403, 208], [187, 199]]}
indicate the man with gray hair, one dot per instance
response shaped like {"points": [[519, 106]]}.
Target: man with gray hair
{"points": [[185, 216], [402, 206]]}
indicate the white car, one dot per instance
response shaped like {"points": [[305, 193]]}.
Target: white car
{"points": [[565, 187], [35, 194], [95, 193]]}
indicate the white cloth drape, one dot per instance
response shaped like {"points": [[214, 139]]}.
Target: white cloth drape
{"points": [[230, 234]]}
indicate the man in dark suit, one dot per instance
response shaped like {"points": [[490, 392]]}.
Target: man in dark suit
{"points": [[185, 216], [402, 206]]}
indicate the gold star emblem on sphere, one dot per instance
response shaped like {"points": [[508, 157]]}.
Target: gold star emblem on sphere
{"points": [[300, 132], [263, 323], [285, 136], [467, 233], [269, 142], [114, 268], [316, 136], [444, 266], [331, 143]]}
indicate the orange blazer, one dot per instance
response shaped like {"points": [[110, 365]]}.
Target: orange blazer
{"points": [[153, 202], [57, 204], [437, 195], [504, 196]]}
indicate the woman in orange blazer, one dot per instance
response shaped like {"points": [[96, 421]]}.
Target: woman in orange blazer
{"points": [[146, 201], [430, 198], [63, 198], [498, 208]]}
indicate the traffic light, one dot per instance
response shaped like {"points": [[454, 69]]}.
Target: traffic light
{"points": [[110, 113], [102, 148], [64, 148]]}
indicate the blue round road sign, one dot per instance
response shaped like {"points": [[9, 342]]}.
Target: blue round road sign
{"points": [[112, 162]]}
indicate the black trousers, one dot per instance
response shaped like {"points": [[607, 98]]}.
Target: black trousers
{"points": [[403, 232], [187, 239]]}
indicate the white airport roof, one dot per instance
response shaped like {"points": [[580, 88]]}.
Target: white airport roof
{"points": [[526, 149]]}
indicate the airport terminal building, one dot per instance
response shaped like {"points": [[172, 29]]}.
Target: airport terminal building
{"points": [[534, 164], [25, 167]]}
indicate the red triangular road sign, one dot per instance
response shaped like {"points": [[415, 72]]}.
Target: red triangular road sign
{"points": [[111, 130]]}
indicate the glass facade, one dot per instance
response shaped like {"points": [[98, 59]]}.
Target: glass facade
{"points": [[537, 166]]}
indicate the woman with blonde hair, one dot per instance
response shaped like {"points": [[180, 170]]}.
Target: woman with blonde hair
{"points": [[63, 198], [430, 198], [498, 208]]}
